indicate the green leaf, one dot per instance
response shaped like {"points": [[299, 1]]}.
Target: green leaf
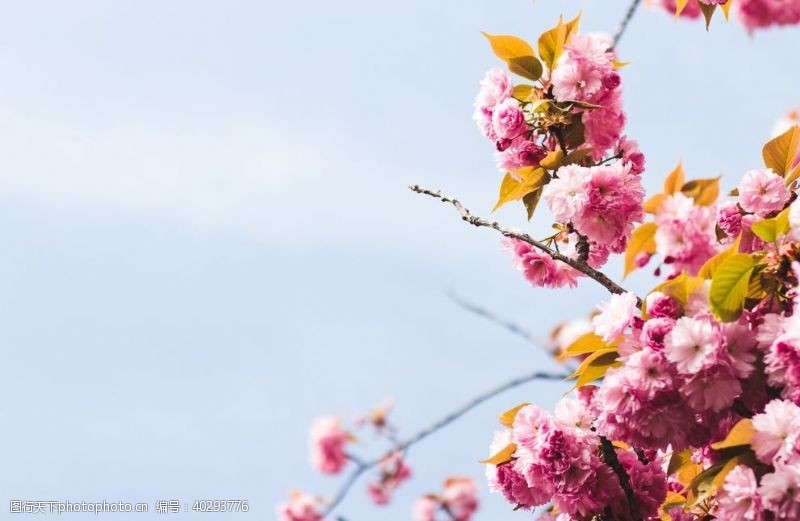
{"points": [[729, 286], [526, 66], [711, 265], [770, 230], [642, 241]]}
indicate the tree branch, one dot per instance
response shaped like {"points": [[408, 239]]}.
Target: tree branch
{"points": [[625, 21], [491, 317], [362, 466], [610, 457], [479, 222]]}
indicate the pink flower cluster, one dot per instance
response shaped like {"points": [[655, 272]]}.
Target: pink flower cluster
{"points": [[300, 507], [558, 459], [459, 502], [686, 235], [752, 14], [328, 441], [393, 472]]}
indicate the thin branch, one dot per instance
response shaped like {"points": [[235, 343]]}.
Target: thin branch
{"points": [[475, 220], [362, 466], [491, 317], [610, 458], [625, 21]]}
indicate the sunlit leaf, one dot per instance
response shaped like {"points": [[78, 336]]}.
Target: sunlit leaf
{"points": [[680, 5], [504, 455], [779, 153], [507, 418], [702, 485], [595, 366], [586, 343], [507, 47], [653, 204], [726, 8], [673, 500], [519, 184], [553, 160], [675, 180], [703, 191], [551, 43], [729, 286], [642, 241], [577, 155], [618, 64], [770, 230], [740, 434], [531, 201], [523, 92]]}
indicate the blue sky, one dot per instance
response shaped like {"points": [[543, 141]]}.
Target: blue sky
{"points": [[207, 238]]}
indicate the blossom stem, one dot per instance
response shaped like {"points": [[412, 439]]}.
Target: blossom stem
{"points": [[600, 277], [361, 466], [625, 21], [610, 457]]}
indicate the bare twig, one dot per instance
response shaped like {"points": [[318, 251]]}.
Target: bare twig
{"points": [[361, 466], [626, 20], [491, 317], [475, 220]]}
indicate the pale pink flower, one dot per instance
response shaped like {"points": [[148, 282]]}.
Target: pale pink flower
{"points": [[692, 344], [575, 80], [772, 428], [566, 195], [714, 389], [573, 413], [460, 498], [327, 445], [738, 499], [300, 507], [762, 192], [615, 316], [780, 492], [496, 87], [393, 471], [425, 509]]}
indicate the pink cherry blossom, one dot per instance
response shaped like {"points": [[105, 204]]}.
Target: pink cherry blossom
{"points": [[762, 192], [615, 316], [327, 447], [508, 119], [738, 499], [778, 492], [460, 498], [393, 472], [773, 427], [567, 194], [425, 509], [300, 507], [692, 344]]}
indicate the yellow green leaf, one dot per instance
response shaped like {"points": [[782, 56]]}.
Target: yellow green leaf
{"points": [[586, 343], [770, 230], [595, 366], [526, 66], [729, 286], [675, 180], [519, 184], [740, 434], [673, 500], [702, 485], [680, 287], [507, 418], [551, 43], [731, 464], [642, 241], [523, 92], [531, 201], [502, 456], [779, 153], [711, 265], [703, 191], [653, 204]]}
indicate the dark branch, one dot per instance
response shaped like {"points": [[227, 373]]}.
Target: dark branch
{"points": [[610, 458], [626, 20], [491, 317], [475, 220]]}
